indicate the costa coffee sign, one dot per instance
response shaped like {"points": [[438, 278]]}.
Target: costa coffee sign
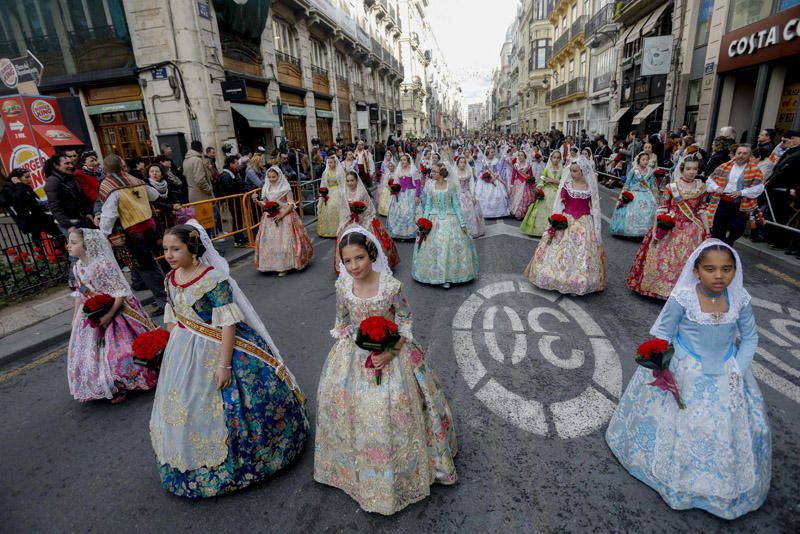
{"points": [[769, 39]]}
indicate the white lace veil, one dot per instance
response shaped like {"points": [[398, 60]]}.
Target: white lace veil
{"points": [[591, 180], [212, 257], [344, 203], [553, 172], [109, 279], [381, 264], [282, 188], [737, 294], [339, 173], [469, 173]]}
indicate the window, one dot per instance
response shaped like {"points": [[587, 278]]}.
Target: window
{"points": [[786, 4], [357, 75], [540, 52], [574, 12], [341, 65], [564, 23], [704, 22], [587, 7], [744, 12], [284, 38], [319, 56], [693, 98], [583, 65], [603, 63], [571, 68]]}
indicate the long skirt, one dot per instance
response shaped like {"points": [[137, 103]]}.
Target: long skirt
{"points": [[659, 262], [282, 246], [471, 211], [328, 214], [211, 442], [384, 201], [635, 218], [100, 363], [715, 455], [403, 214], [522, 196], [447, 255], [536, 221], [383, 445], [571, 262], [493, 199]]}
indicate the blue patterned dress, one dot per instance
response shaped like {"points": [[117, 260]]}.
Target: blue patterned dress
{"points": [[636, 218], [447, 255], [716, 454], [404, 209], [210, 442]]}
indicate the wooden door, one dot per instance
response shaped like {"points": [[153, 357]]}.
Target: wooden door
{"points": [[295, 128]]}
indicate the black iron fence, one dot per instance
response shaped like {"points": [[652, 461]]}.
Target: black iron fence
{"points": [[29, 263]]}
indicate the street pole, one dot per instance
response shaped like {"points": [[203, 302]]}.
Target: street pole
{"points": [[280, 120]]}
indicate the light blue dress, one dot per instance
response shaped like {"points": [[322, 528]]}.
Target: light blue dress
{"points": [[448, 254], [636, 218], [404, 210], [716, 454]]}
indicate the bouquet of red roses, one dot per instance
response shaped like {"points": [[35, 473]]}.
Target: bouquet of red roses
{"points": [[487, 177], [531, 179], [624, 198], [394, 188], [557, 222], [376, 334], [148, 348], [96, 307], [323, 192], [356, 209], [424, 227], [659, 174], [656, 354], [423, 169], [664, 223], [272, 208], [538, 193]]}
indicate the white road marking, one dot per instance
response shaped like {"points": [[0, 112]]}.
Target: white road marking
{"points": [[574, 361], [495, 289], [783, 338], [581, 415], [471, 367], [777, 362], [763, 332], [761, 303], [780, 326], [465, 314], [607, 367], [581, 317], [527, 287], [535, 313], [522, 413], [778, 383]]}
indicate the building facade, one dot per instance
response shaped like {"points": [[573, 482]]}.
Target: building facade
{"points": [[536, 46], [600, 36]]}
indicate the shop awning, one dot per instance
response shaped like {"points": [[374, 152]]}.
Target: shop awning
{"points": [[116, 107], [636, 32], [646, 111], [56, 135], [618, 115], [257, 116], [295, 110], [323, 114], [654, 17]]}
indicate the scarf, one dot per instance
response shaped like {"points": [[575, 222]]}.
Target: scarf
{"points": [[162, 187]]}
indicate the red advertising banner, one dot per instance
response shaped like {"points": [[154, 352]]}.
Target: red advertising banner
{"points": [[31, 129]]}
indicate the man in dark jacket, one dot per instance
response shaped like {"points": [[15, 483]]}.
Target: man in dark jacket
{"points": [[783, 187], [19, 200], [230, 182], [68, 204]]}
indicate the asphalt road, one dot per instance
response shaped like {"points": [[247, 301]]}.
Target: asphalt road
{"points": [[531, 378]]}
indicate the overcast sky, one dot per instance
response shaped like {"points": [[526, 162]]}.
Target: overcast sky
{"points": [[470, 34]]}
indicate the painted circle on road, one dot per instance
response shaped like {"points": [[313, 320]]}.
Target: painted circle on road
{"points": [[777, 358], [545, 365]]}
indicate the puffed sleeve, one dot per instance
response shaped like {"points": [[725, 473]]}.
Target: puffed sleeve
{"points": [[341, 327], [402, 315], [670, 316], [749, 337], [224, 311]]}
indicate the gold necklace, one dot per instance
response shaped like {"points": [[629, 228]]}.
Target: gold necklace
{"points": [[179, 280]]}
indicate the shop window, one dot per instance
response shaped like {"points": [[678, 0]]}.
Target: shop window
{"points": [[744, 12], [693, 96], [704, 22]]}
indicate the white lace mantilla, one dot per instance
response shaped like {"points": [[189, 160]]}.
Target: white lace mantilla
{"points": [[687, 297]]}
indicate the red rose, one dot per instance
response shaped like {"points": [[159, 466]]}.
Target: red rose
{"points": [[272, 208], [665, 221], [59, 252], [51, 258], [39, 257], [627, 196], [149, 347], [17, 259], [37, 249], [358, 207], [653, 347], [28, 268], [23, 255], [97, 302], [11, 251]]}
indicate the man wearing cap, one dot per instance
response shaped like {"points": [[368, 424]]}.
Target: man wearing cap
{"points": [[783, 186]]}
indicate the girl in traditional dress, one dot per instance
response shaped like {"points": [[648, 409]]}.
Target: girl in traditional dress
{"points": [[354, 191], [447, 255], [406, 206], [572, 261], [328, 211], [99, 358], [522, 190], [382, 444], [470, 208], [535, 222], [634, 218], [537, 162], [227, 412], [384, 194], [350, 163], [663, 252], [716, 454], [492, 187], [282, 242]]}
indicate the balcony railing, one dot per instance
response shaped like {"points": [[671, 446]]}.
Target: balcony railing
{"points": [[602, 82], [572, 87], [578, 26], [283, 57], [599, 20], [319, 71], [576, 85], [561, 42]]}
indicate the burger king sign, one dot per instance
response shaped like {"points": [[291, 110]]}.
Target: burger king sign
{"points": [[43, 111], [31, 158]]}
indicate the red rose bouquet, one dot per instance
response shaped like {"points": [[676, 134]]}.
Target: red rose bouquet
{"points": [[323, 192], [656, 354], [664, 223], [531, 179], [272, 208], [376, 334], [424, 227], [148, 348], [624, 198], [538, 193], [423, 169], [97, 306], [356, 209], [395, 188], [487, 177], [557, 222]]}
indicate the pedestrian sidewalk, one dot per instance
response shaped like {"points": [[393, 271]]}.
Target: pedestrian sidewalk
{"points": [[46, 321]]}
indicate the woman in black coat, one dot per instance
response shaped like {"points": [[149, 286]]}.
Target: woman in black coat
{"points": [[20, 201]]}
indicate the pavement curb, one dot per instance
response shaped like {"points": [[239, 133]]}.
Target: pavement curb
{"points": [[59, 329]]}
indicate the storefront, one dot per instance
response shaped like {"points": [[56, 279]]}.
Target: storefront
{"points": [[758, 74], [324, 113], [254, 122], [119, 120], [294, 120]]}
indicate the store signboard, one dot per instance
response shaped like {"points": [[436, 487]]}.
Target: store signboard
{"points": [[656, 55], [788, 106], [768, 39]]}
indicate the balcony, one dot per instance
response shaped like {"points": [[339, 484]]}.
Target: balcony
{"points": [[572, 90], [561, 43], [578, 26], [414, 40], [602, 82], [240, 54], [600, 26], [290, 69], [320, 80]]}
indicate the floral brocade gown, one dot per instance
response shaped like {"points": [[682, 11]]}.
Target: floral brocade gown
{"points": [[209, 442], [522, 191], [448, 254], [100, 364], [572, 261], [283, 244], [659, 262], [328, 212], [405, 209], [384, 445], [470, 208], [536, 221]]}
